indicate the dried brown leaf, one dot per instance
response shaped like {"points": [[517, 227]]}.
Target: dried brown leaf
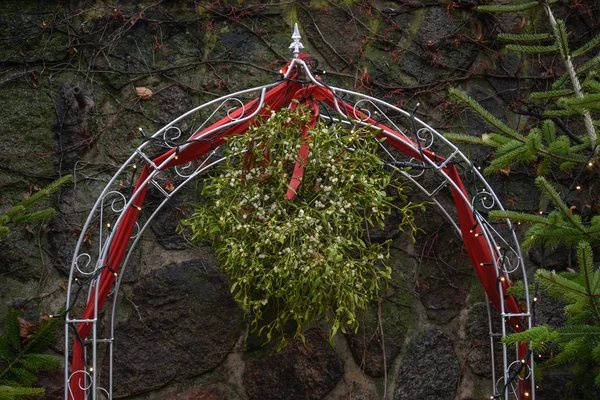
{"points": [[143, 93]]}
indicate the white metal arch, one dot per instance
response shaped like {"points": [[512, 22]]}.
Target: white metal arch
{"points": [[109, 210]]}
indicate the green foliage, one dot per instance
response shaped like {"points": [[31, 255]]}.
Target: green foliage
{"points": [[307, 258], [21, 357], [573, 95], [560, 226], [508, 8], [568, 105], [20, 213], [540, 144], [579, 342]]}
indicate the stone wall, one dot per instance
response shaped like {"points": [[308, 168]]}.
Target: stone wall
{"points": [[68, 105]]}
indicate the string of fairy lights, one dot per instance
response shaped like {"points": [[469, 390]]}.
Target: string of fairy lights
{"points": [[515, 370]]}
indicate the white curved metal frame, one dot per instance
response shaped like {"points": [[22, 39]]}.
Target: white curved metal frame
{"points": [[429, 177]]}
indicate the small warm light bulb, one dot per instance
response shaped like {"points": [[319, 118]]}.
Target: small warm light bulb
{"points": [[477, 234], [115, 274], [134, 166], [139, 208], [108, 225], [541, 212], [502, 279], [526, 394], [522, 361], [539, 356], [176, 157], [481, 264], [91, 369], [140, 128], [578, 187], [590, 164], [281, 71], [534, 300], [498, 248]]}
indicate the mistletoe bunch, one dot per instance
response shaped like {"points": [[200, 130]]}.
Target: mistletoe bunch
{"points": [[307, 258]]}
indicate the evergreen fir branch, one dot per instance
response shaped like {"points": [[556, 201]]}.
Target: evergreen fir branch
{"points": [[485, 114], [543, 168], [516, 216], [549, 130], [35, 362], [550, 192], [44, 337], [46, 214], [507, 8], [11, 329], [46, 191], [560, 34], [571, 350], [578, 330], [15, 210], [459, 137], [538, 338], [587, 46], [531, 49], [9, 392], [508, 147], [495, 139], [550, 94], [585, 259], [505, 160], [523, 37], [593, 62], [560, 82], [587, 102], [592, 85], [558, 286]]}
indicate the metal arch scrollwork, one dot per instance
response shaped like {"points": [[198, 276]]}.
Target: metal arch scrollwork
{"points": [[83, 269], [508, 263], [240, 105], [137, 231], [485, 199], [113, 204], [426, 138], [188, 170], [357, 110], [421, 171], [87, 378], [169, 139]]}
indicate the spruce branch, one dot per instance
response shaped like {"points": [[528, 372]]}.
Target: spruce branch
{"points": [[523, 37], [587, 46], [589, 126], [550, 94], [485, 114], [532, 49], [507, 8], [585, 260]]}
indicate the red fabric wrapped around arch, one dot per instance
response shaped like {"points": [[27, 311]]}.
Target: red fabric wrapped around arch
{"points": [[480, 254]]}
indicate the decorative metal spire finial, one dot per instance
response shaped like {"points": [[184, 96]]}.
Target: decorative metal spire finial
{"points": [[296, 46]]}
